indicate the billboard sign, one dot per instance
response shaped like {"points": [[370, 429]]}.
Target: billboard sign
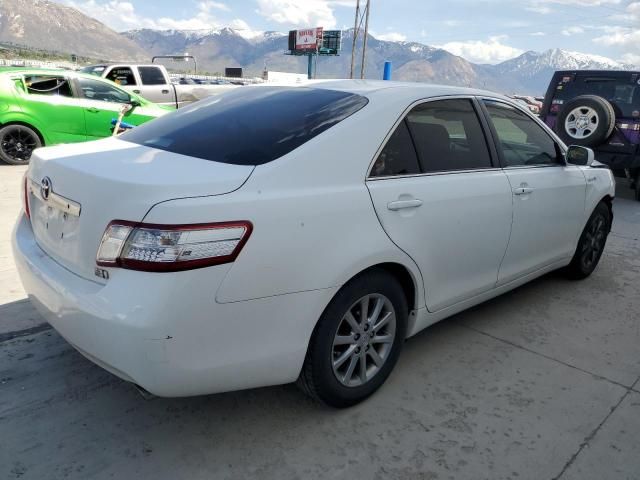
{"points": [[308, 39]]}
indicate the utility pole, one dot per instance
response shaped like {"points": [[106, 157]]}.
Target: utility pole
{"points": [[364, 42], [356, 30]]}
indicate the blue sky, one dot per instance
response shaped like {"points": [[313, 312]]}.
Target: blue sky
{"points": [[485, 31]]}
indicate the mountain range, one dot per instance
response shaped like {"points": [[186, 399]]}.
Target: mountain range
{"points": [[49, 25]]}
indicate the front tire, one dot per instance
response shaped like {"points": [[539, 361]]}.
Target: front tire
{"points": [[357, 341], [591, 243], [17, 143]]}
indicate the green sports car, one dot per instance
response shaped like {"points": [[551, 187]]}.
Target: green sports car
{"points": [[45, 107]]}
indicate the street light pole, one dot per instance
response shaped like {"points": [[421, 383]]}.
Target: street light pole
{"points": [[364, 42], [356, 30]]}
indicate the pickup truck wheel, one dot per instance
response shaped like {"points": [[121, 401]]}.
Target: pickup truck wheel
{"points": [[357, 341], [587, 120], [17, 143], [591, 243]]}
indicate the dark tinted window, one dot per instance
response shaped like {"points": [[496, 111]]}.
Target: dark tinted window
{"points": [[398, 156], [622, 90], [122, 76], [151, 76], [249, 125], [448, 136], [522, 141], [100, 90]]}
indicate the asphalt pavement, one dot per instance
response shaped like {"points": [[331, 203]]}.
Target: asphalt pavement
{"points": [[541, 383]]}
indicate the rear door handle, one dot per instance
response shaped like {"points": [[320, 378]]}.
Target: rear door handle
{"points": [[401, 204], [137, 91], [522, 190], [93, 110]]}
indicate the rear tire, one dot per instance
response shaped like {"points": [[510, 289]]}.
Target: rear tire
{"points": [[591, 243], [349, 359], [17, 143]]}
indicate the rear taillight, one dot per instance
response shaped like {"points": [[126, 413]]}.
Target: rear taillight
{"points": [[170, 248], [25, 195]]}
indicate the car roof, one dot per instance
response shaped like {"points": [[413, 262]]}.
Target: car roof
{"points": [[370, 88], [45, 71], [596, 72]]}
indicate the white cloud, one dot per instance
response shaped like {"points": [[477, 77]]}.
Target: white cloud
{"points": [[626, 37], [391, 37], [567, 32], [581, 3], [631, 59], [299, 13], [541, 9], [537, 34], [491, 51], [121, 15]]}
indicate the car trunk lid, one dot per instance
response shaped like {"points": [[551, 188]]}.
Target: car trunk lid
{"points": [[76, 190]]}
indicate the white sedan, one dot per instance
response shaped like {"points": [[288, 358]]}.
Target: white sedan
{"points": [[276, 234]]}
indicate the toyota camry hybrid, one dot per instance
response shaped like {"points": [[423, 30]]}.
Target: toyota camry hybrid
{"points": [[280, 234]]}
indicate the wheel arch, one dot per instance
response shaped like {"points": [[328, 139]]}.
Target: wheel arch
{"points": [[28, 125], [407, 279]]}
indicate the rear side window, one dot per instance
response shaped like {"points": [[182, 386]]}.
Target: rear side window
{"points": [[151, 76], [248, 125], [48, 85], [398, 157], [122, 76]]}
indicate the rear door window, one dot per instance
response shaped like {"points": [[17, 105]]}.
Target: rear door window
{"points": [[151, 76], [248, 125], [448, 136]]}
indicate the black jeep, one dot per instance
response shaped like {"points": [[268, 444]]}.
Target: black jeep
{"points": [[600, 110]]}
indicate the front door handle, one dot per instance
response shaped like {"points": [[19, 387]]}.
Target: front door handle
{"points": [[165, 91], [136, 92], [93, 109], [401, 204], [522, 190]]}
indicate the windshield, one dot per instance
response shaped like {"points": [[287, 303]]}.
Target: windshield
{"points": [[94, 69], [248, 126]]}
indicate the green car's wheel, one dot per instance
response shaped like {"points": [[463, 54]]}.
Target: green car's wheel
{"points": [[17, 143]]}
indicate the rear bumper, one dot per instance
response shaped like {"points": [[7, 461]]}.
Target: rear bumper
{"points": [[165, 332]]}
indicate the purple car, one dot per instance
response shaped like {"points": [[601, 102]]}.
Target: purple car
{"points": [[599, 110]]}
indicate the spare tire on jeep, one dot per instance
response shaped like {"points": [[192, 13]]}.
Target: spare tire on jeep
{"points": [[587, 120]]}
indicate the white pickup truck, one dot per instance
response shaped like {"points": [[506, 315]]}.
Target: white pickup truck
{"points": [[153, 83]]}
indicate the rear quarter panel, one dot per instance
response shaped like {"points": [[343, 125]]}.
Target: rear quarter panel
{"points": [[314, 223]]}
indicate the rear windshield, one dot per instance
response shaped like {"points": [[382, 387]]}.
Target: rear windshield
{"points": [[248, 125], [622, 90]]}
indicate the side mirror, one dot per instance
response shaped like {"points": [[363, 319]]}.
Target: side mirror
{"points": [[582, 156], [134, 103]]}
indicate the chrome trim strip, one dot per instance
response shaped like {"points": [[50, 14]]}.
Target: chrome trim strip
{"points": [[57, 201]]}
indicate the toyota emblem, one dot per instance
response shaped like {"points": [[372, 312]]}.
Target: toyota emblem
{"points": [[45, 188]]}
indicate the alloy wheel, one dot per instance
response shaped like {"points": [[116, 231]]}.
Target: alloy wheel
{"points": [[581, 122], [363, 340], [18, 144], [594, 241]]}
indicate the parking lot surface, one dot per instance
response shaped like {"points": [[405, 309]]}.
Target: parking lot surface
{"points": [[541, 383]]}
